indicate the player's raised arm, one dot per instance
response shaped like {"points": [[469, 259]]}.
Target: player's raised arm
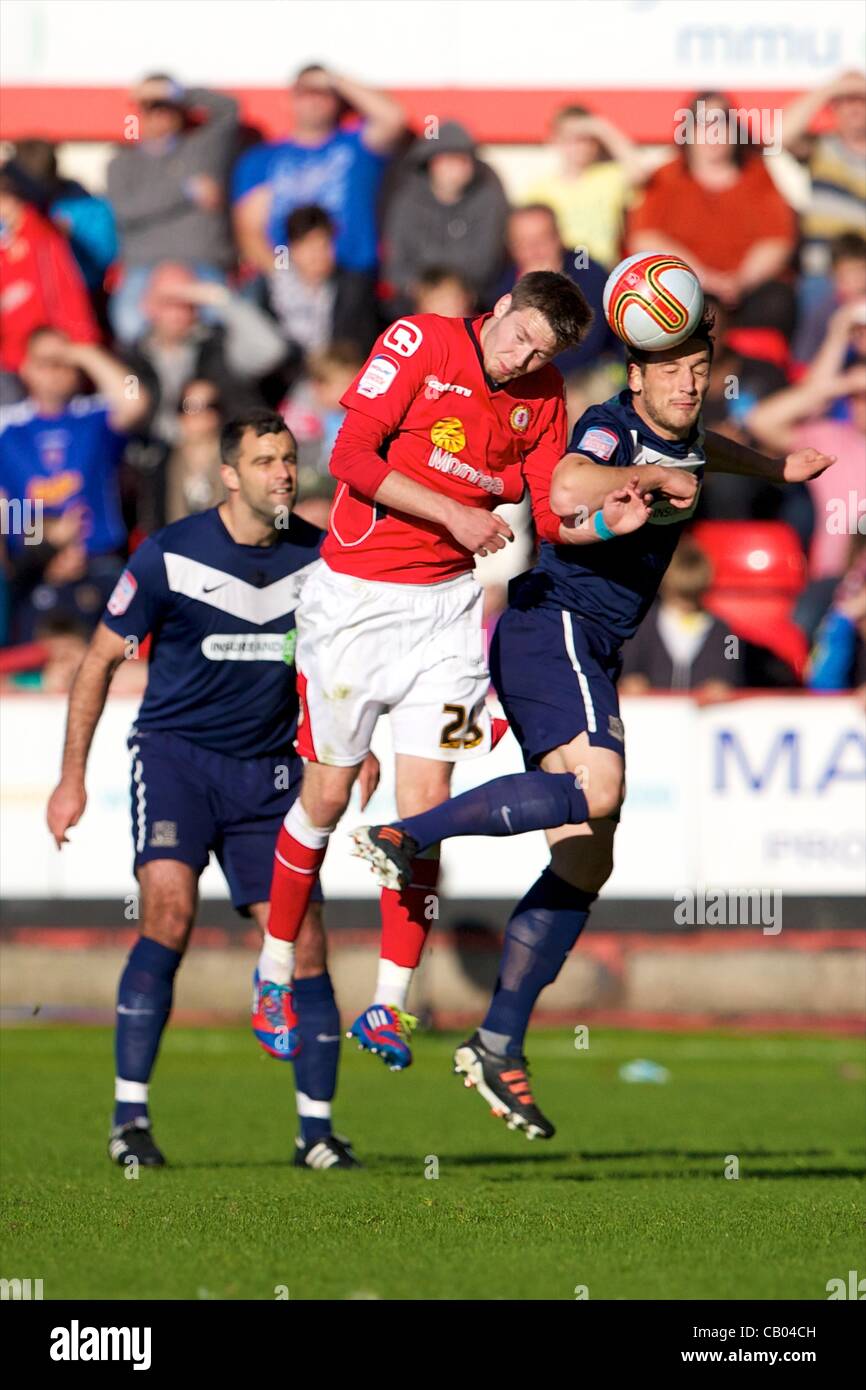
{"points": [[86, 703], [727, 456], [580, 484]]}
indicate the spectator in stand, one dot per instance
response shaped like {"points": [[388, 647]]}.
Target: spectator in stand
{"points": [[441, 291], [167, 189], [783, 421], [193, 481], [61, 450], [679, 645], [838, 661], [449, 210], [40, 283], [682, 646], [533, 242], [235, 353], [314, 413], [836, 162], [717, 207], [315, 301], [86, 220], [844, 346], [598, 168], [847, 286], [337, 167]]}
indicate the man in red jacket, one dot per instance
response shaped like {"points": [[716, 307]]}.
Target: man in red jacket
{"points": [[40, 283], [448, 418]]}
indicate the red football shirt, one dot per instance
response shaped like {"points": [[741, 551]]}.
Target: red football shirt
{"points": [[428, 409]]}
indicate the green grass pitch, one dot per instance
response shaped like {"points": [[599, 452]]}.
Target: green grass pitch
{"points": [[629, 1199]]}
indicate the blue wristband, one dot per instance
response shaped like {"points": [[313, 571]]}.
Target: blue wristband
{"points": [[602, 530]]}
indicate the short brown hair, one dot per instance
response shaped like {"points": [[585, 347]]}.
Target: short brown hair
{"points": [[559, 300]]}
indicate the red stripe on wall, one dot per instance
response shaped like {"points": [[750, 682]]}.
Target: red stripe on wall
{"points": [[494, 115]]}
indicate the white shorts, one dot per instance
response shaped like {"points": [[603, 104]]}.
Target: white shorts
{"points": [[415, 651]]}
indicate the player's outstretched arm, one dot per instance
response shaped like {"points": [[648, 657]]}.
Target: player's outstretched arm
{"points": [[86, 703], [727, 456], [579, 484]]}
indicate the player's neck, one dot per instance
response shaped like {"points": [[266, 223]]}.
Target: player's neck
{"points": [[245, 527]]}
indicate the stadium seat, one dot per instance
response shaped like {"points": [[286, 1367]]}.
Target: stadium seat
{"points": [[759, 570]]}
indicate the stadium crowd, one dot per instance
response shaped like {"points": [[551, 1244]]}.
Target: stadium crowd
{"points": [[218, 271]]}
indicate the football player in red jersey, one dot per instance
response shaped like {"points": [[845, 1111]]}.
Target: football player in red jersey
{"points": [[447, 418]]}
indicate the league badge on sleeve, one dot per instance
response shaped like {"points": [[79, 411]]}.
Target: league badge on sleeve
{"points": [[600, 442], [379, 375], [122, 594]]}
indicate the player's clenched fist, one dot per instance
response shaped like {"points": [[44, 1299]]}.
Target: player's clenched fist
{"points": [[479, 531], [65, 809]]}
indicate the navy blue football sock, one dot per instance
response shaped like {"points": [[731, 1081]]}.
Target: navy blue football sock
{"points": [[316, 1063], [143, 1006], [543, 928], [506, 806]]}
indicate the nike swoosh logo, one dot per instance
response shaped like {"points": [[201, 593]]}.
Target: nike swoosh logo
{"points": [[121, 1009], [214, 586], [325, 1037], [506, 816]]}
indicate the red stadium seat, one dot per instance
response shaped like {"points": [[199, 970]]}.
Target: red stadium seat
{"points": [[758, 571]]}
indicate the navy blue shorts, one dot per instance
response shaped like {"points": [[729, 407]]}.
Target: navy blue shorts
{"points": [[188, 801], [553, 683]]}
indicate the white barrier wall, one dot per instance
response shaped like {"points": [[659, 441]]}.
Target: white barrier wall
{"points": [[764, 792], [435, 43]]}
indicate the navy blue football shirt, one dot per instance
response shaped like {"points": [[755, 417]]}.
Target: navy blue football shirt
{"points": [[611, 586], [221, 619]]}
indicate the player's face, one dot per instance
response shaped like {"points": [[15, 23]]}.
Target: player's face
{"points": [[669, 391], [515, 341], [265, 477]]}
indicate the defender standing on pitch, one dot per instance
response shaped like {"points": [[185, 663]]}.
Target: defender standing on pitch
{"points": [[213, 768], [555, 663]]}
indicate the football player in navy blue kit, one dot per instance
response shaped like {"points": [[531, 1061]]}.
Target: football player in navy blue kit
{"points": [[213, 768], [555, 661]]}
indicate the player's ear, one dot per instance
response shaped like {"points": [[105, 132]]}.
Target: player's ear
{"points": [[634, 378], [229, 476], [501, 307]]}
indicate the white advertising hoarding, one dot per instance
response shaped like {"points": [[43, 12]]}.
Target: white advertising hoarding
{"points": [[764, 792]]}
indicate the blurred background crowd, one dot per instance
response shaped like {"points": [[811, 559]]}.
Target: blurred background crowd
{"points": [[216, 270]]}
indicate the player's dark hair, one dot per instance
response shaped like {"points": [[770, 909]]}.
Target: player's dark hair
{"points": [[559, 300], [850, 246], [703, 331], [259, 421], [306, 219]]}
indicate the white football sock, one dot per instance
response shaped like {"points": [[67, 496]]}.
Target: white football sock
{"points": [[277, 960], [392, 984]]}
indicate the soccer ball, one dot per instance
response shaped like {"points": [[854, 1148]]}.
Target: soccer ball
{"points": [[653, 301]]}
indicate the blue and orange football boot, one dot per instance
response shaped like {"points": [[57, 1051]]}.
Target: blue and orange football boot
{"points": [[386, 1031], [274, 1020]]}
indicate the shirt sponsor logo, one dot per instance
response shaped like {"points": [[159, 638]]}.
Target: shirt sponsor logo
{"points": [[57, 490], [435, 389], [449, 434], [599, 441], [445, 462], [519, 418], [244, 646], [163, 835], [122, 594], [379, 375], [403, 337]]}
